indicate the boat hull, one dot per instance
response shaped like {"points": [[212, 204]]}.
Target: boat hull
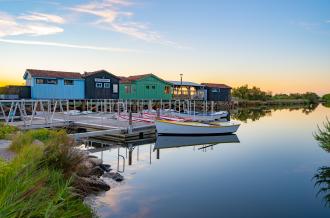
{"points": [[175, 128]]}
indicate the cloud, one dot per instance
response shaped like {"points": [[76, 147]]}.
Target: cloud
{"points": [[65, 45], [9, 26], [35, 16], [327, 21], [111, 16]]}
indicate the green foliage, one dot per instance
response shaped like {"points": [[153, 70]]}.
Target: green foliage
{"points": [[5, 130], [311, 97], [326, 97], [27, 138], [254, 93], [323, 136], [30, 186]]}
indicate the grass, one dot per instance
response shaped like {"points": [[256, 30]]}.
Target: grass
{"points": [[38, 182]]}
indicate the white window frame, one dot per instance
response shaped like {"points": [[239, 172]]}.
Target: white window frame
{"points": [[115, 88], [99, 85], [106, 85]]}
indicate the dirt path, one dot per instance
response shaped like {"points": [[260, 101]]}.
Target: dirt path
{"points": [[4, 153]]}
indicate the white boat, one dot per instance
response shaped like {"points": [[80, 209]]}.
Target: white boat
{"points": [[165, 127], [182, 141], [191, 115], [195, 116]]}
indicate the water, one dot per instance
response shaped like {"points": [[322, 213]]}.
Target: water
{"points": [[266, 171]]}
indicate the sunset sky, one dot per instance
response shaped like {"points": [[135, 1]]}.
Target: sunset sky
{"points": [[278, 45]]}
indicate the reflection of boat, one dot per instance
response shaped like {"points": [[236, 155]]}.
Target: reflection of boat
{"points": [[180, 141], [165, 127]]}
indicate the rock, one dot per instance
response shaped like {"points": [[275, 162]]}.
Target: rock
{"points": [[105, 167], [87, 185], [92, 156], [95, 161], [38, 142], [96, 171], [115, 176]]}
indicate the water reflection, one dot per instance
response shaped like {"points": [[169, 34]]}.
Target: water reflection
{"points": [[322, 181], [322, 176], [254, 114]]}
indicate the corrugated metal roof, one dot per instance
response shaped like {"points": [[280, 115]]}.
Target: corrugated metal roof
{"points": [[54, 74], [185, 83]]}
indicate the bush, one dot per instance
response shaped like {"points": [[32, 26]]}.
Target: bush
{"points": [[5, 130], [326, 97]]}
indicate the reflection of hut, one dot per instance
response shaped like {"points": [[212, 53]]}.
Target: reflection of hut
{"points": [[188, 90], [217, 92]]}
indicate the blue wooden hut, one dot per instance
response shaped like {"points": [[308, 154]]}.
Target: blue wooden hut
{"points": [[46, 84]]}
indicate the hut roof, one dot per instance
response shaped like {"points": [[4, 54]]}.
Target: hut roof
{"points": [[52, 74], [87, 74], [214, 85], [185, 83]]}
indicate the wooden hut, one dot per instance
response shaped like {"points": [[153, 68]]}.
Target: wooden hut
{"points": [[101, 85], [188, 90], [46, 84], [146, 86], [217, 92]]}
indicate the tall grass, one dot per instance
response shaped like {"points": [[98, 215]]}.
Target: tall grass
{"points": [[32, 187]]}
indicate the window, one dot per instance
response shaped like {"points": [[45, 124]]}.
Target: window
{"points": [[107, 85], [128, 88], [52, 81], [41, 81], [46, 81], [68, 82], [153, 87], [167, 90], [147, 87], [215, 90], [115, 88], [98, 85]]}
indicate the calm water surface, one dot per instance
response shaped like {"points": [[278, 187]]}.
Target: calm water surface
{"points": [[267, 171]]}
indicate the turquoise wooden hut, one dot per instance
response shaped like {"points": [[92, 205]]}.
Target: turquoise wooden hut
{"points": [[145, 87]]}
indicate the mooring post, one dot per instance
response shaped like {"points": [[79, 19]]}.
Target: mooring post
{"points": [[158, 154], [130, 122], [158, 113]]}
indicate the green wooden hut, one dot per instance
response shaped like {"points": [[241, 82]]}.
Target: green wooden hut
{"points": [[147, 87]]}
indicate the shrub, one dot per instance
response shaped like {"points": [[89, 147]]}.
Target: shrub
{"points": [[326, 97], [5, 130]]}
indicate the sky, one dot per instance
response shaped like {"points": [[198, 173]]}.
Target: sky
{"points": [[282, 46]]}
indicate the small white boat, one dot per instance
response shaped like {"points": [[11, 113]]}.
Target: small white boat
{"points": [[165, 127], [201, 116]]}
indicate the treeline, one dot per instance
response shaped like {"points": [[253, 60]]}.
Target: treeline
{"points": [[256, 94]]}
